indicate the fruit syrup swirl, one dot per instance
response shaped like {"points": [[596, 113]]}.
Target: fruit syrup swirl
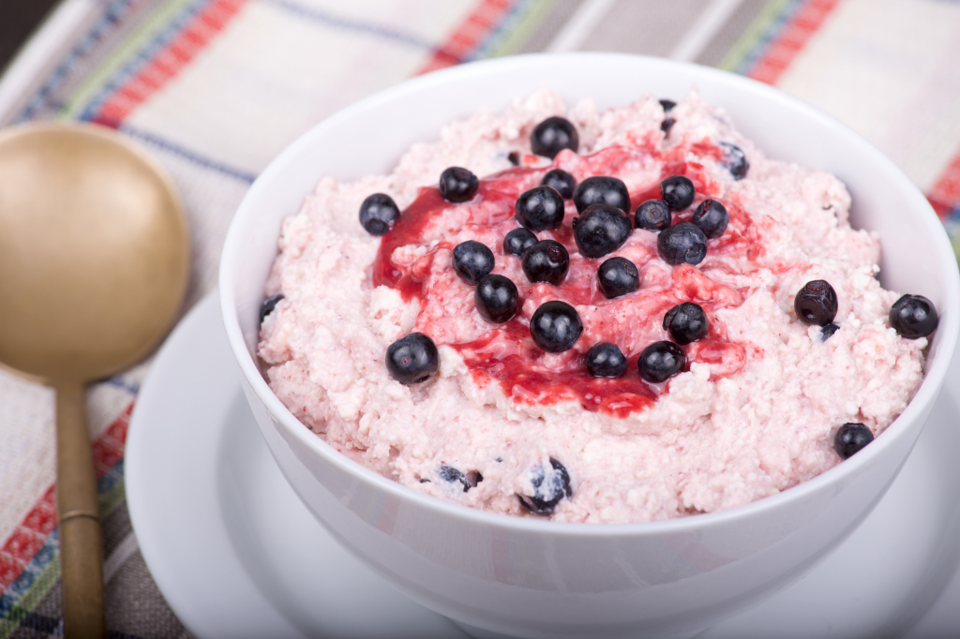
{"points": [[506, 353]]}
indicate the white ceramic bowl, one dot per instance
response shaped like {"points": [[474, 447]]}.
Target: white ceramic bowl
{"points": [[533, 578]]}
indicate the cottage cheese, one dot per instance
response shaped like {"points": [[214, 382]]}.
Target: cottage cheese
{"points": [[753, 414]]}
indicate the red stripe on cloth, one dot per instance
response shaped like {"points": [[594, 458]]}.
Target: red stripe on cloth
{"points": [[33, 531], [108, 448], [27, 539], [791, 39], [169, 61], [485, 17], [944, 195]]}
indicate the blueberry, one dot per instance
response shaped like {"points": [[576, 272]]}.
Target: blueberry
{"points": [[378, 213], [677, 192], [601, 189], [686, 323], [549, 487], [517, 241], [605, 360], [539, 209], [652, 215], [816, 303], [546, 261], [555, 326], [467, 480], [913, 316], [827, 331], [496, 298], [668, 122], [413, 359], [563, 182], [735, 161], [601, 229], [514, 158], [472, 260], [618, 276], [553, 135], [268, 305], [712, 218], [851, 438], [660, 361], [683, 242], [458, 184]]}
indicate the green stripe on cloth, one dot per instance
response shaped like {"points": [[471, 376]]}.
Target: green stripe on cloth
{"points": [[758, 29], [112, 498], [517, 28], [49, 575], [100, 77], [29, 601]]}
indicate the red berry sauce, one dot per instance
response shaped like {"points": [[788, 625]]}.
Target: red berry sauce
{"points": [[506, 355]]}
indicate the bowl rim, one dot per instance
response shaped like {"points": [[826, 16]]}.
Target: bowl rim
{"points": [[946, 335]]}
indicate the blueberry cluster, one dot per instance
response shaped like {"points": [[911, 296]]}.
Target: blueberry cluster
{"points": [[683, 242], [603, 224], [668, 121], [658, 362], [378, 212], [734, 159], [911, 316], [685, 323], [601, 227], [496, 297]]}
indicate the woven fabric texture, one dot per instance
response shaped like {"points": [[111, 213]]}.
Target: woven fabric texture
{"points": [[216, 88]]}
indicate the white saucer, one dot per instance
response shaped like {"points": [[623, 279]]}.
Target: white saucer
{"points": [[236, 554]]}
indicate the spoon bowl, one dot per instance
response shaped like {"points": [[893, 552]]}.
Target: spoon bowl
{"points": [[94, 262]]}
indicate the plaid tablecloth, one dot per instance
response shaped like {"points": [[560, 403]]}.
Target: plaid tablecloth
{"points": [[216, 88]]}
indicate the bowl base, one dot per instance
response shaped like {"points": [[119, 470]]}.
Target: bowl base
{"points": [[480, 633]]}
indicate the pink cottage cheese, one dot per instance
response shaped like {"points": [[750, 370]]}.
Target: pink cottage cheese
{"points": [[753, 413]]}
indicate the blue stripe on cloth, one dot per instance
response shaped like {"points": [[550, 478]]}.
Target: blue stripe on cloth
{"points": [[142, 57], [954, 214], [350, 24], [119, 382], [110, 478], [110, 18], [516, 13], [771, 32], [10, 598], [47, 553], [188, 155]]}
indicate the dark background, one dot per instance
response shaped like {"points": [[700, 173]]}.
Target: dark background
{"points": [[18, 20]]}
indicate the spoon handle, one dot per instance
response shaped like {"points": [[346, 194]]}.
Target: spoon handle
{"points": [[78, 518]]}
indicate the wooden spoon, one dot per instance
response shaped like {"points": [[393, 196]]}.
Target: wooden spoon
{"points": [[94, 261]]}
